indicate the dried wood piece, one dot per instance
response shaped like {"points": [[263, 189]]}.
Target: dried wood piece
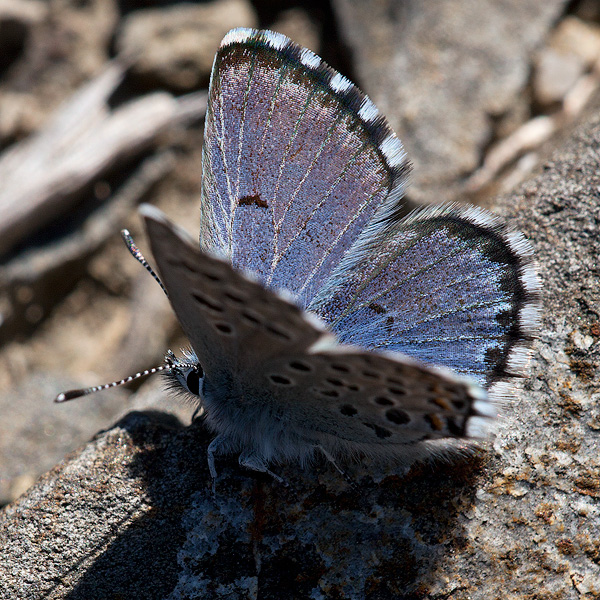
{"points": [[43, 176], [49, 272]]}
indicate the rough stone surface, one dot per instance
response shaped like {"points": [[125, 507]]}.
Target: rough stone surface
{"points": [[132, 513], [534, 528], [440, 70], [34, 435]]}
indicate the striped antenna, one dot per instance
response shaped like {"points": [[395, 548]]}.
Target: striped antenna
{"points": [[169, 359], [135, 252], [72, 394]]}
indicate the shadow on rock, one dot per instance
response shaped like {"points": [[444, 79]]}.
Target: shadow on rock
{"points": [[257, 538]]}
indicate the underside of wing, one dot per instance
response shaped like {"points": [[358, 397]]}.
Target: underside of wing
{"points": [[451, 286], [231, 321], [296, 161], [342, 397]]}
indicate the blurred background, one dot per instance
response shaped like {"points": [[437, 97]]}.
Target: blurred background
{"points": [[101, 107]]}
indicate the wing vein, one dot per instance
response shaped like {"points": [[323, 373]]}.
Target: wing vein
{"points": [[220, 135], [430, 293], [318, 153], [282, 165], [243, 123], [322, 201], [331, 247], [386, 263]]}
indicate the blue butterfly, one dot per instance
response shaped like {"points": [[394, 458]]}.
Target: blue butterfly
{"points": [[319, 318]]}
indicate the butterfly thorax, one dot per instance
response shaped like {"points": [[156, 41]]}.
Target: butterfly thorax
{"points": [[249, 420]]}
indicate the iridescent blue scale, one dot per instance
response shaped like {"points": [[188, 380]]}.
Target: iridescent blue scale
{"points": [[292, 170]]}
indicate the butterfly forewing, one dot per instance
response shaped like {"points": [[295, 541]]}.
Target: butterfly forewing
{"points": [[449, 286], [232, 322], [296, 162]]}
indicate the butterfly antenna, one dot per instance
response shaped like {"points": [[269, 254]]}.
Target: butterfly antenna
{"points": [[135, 252], [72, 394]]}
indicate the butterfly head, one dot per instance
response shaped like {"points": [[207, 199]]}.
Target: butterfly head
{"points": [[185, 371]]}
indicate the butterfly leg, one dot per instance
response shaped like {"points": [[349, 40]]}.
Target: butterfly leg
{"points": [[219, 445], [252, 461], [343, 473]]}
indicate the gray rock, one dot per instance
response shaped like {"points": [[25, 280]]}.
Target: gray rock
{"points": [[34, 280], [556, 74], [51, 52], [439, 85], [132, 514], [534, 527], [38, 184], [34, 435], [17, 17]]}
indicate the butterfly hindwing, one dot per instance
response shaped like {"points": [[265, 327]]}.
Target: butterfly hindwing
{"points": [[296, 161], [452, 286], [347, 399]]}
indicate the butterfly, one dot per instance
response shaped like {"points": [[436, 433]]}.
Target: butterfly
{"points": [[320, 319]]}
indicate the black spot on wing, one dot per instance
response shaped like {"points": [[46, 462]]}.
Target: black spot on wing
{"points": [[348, 410], [254, 199], [397, 416], [329, 393], [224, 328], [383, 401], [206, 302], [296, 365], [380, 432]]}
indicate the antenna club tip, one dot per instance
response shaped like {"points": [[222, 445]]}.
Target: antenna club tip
{"points": [[70, 395]]}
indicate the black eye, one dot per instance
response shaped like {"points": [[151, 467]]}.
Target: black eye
{"points": [[193, 382]]}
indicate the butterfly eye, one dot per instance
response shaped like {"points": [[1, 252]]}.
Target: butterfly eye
{"points": [[185, 371], [193, 380]]}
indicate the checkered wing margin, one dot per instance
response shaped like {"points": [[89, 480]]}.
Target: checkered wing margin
{"points": [[452, 286]]}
